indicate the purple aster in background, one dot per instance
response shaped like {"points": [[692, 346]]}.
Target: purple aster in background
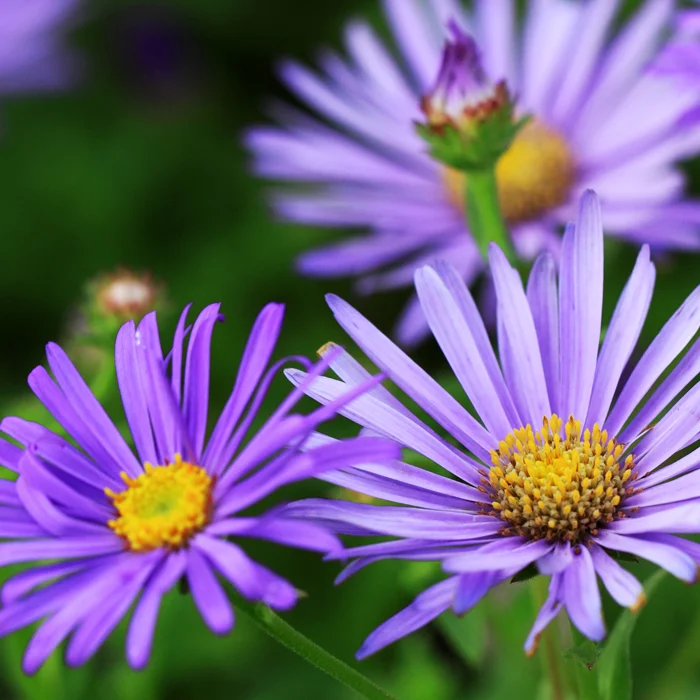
{"points": [[680, 59], [555, 472], [122, 527], [33, 56], [600, 119]]}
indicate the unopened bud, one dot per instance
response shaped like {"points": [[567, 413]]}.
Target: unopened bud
{"points": [[469, 120], [125, 294]]}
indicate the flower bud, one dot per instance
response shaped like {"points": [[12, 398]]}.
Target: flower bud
{"points": [[469, 120], [125, 294]]}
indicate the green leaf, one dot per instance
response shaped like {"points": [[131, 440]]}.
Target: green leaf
{"points": [[624, 556], [530, 571], [586, 653], [614, 666]]}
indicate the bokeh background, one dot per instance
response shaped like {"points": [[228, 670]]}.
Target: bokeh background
{"points": [[141, 164]]}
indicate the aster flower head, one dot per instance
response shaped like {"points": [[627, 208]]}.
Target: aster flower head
{"points": [[122, 527], [567, 464], [599, 119], [32, 55], [469, 120]]}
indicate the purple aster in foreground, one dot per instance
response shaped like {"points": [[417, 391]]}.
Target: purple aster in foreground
{"points": [[557, 472], [123, 527], [32, 54], [600, 120]]}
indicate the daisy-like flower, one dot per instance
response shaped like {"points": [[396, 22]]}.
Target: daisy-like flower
{"points": [[123, 527], [557, 472], [600, 119], [32, 54]]}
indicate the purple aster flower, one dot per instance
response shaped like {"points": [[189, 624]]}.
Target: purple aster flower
{"points": [[600, 119], [32, 55], [557, 472], [123, 527]]}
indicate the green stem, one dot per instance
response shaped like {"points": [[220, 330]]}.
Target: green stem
{"points": [[103, 383], [550, 648], [286, 635], [483, 211]]}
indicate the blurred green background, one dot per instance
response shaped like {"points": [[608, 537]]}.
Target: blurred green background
{"points": [[141, 165]]}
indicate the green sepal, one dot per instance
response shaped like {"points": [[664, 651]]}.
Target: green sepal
{"points": [[477, 146]]}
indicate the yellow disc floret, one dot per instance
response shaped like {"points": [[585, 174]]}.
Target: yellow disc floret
{"points": [[558, 483], [533, 176], [164, 507]]}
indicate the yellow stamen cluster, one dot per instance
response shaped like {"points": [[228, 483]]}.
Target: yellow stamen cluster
{"points": [[535, 174], [556, 483], [163, 507]]}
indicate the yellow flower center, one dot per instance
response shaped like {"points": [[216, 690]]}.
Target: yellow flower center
{"points": [[164, 507], [534, 175], [558, 485]]}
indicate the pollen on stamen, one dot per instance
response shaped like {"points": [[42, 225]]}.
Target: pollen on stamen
{"points": [[163, 507], [558, 483]]}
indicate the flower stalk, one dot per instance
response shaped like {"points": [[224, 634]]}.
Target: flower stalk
{"points": [[311, 652], [483, 212]]}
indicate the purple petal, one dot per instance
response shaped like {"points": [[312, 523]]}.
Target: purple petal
{"points": [[410, 27], [411, 379], [546, 614], [24, 582], [622, 586], [166, 419], [582, 597], [233, 563], [471, 588], [9, 455], [296, 467], [580, 306], [86, 599], [74, 423], [70, 548], [93, 416], [683, 518], [673, 337], [286, 531], [666, 556], [557, 560], [531, 397], [259, 348], [39, 506], [681, 375], [403, 479], [181, 332], [99, 624], [592, 29], [196, 394], [621, 337], [425, 608], [58, 452], [133, 393], [143, 622], [505, 553], [397, 521], [457, 342], [542, 297], [208, 595], [382, 418]]}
